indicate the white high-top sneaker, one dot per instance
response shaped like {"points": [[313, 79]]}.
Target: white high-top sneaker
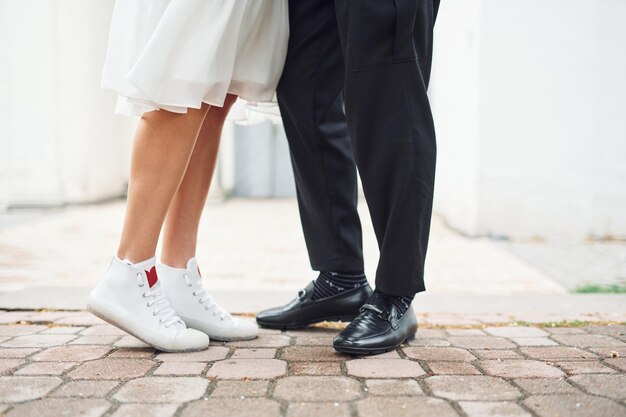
{"points": [[132, 299], [184, 289]]}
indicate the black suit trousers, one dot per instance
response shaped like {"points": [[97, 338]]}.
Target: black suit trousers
{"points": [[353, 94]]}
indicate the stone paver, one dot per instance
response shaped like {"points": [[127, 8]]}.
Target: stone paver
{"points": [[79, 319], [516, 331], [55, 407], [533, 341], [387, 355], [405, 407], [312, 354], [227, 407], [614, 330], [62, 330], [503, 369], [466, 332], [315, 340], [452, 368], [588, 340], [315, 368], [20, 329], [85, 389], [264, 341], [608, 352], [425, 342], [545, 386], [619, 363], [132, 353], [14, 316], [318, 409], [250, 353], [393, 387], [17, 352], [481, 342], [438, 354], [472, 388], [327, 388], [384, 368], [126, 341], [247, 369], [493, 409], [46, 368], [112, 369], [584, 367], [162, 390], [23, 388], [432, 334], [143, 410], [72, 353], [240, 389], [500, 354], [520, 369], [103, 330], [557, 353], [39, 340], [573, 406], [98, 340], [613, 386], [7, 366], [180, 368]]}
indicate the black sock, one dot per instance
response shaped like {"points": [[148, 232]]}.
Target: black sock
{"points": [[401, 302], [330, 283]]}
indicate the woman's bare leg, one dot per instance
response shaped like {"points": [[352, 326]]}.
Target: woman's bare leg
{"points": [[183, 217], [163, 145]]}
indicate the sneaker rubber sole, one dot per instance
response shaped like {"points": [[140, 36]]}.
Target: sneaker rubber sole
{"points": [[372, 351], [98, 311]]}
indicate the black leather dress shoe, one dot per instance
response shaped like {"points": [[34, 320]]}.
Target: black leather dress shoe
{"points": [[380, 327], [303, 310]]}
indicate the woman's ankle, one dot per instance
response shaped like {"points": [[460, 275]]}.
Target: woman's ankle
{"points": [[135, 258], [176, 261]]}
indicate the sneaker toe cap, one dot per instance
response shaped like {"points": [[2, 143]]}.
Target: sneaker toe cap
{"points": [[246, 329], [190, 339]]}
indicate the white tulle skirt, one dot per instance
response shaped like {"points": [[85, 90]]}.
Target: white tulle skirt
{"points": [[178, 54]]}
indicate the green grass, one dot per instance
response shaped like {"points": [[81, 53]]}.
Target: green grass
{"points": [[601, 289]]}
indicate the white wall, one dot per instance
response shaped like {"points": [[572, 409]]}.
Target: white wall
{"points": [[530, 104], [528, 95], [59, 139]]}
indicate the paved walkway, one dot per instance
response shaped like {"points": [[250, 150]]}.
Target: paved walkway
{"points": [[244, 244], [70, 363]]}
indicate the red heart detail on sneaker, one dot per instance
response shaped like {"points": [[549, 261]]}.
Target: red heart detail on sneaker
{"points": [[152, 276]]}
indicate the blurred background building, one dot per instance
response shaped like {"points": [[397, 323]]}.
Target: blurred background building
{"points": [[529, 98]]}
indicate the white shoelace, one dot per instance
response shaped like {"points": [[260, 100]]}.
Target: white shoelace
{"points": [[205, 297], [167, 315]]}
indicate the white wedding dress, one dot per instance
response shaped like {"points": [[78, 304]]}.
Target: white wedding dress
{"points": [[178, 54]]}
